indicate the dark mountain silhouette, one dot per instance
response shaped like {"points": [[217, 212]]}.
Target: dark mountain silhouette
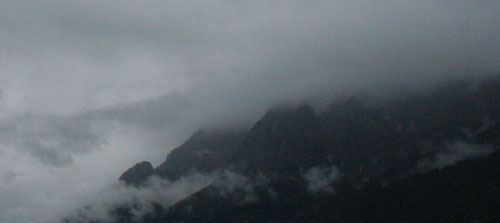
{"points": [[353, 162], [468, 191], [138, 173], [203, 152], [465, 192]]}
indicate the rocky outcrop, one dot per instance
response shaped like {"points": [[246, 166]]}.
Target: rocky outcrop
{"points": [[138, 174]]}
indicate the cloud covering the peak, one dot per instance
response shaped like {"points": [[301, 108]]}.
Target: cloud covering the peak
{"points": [[88, 88]]}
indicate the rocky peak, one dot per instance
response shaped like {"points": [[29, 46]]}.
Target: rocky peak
{"points": [[137, 174]]}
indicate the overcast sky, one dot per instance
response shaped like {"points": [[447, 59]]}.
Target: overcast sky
{"points": [[89, 88]]}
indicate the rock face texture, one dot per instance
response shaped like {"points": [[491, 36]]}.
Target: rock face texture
{"points": [[138, 174]]}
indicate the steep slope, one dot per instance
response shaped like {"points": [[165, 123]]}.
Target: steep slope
{"points": [[282, 142], [364, 143], [465, 192], [203, 152]]}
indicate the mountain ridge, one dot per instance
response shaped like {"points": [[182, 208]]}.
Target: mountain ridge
{"points": [[367, 145]]}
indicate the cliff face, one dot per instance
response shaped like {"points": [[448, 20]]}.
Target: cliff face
{"points": [[362, 145]]}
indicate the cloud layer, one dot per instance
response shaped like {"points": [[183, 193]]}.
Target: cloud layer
{"points": [[321, 179], [88, 88], [158, 191], [454, 152]]}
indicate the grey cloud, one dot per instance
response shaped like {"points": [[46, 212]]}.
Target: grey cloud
{"points": [[240, 188], [9, 175], [51, 139], [230, 184], [230, 60], [321, 179], [156, 113], [245, 55], [100, 206], [454, 152], [75, 73], [55, 139], [157, 190]]}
